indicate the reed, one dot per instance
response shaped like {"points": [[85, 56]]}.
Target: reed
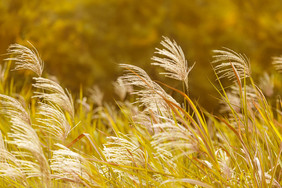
{"points": [[146, 139]]}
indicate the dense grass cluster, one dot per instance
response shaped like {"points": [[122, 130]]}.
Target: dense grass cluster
{"points": [[49, 138]]}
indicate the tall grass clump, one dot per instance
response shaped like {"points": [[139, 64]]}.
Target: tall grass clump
{"points": [[48, 138]]}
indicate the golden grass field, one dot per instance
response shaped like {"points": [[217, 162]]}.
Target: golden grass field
{"points": [[53, 138]]}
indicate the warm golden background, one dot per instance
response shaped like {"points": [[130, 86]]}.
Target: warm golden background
{"points": [[83, 41]]}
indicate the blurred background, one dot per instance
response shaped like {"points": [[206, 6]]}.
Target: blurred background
{"points": [[83, 41]]}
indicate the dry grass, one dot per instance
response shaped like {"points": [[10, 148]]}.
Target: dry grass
{"points": [[47, 140]]}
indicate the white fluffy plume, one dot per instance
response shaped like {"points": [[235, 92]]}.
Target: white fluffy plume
{"points": [[52, 120], [25, 138], [26, 58], [69, 165], [277, 62], [54, 93], [173, 62], [150, 94], [13, 108], [229, 64], [9, 166], [170, 137]]}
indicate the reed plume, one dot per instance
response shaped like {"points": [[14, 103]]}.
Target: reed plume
{"points": [[9, 166], [53, 121], [13, 108], [123, 150], [24, 137], [170, 138], [69, 165], [150, 94], [121, 89], [277, 62], [173, 61], [54, 93], [96, 95], [26, 58], [231, 65]]}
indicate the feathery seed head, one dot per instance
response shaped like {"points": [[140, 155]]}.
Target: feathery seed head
{"points": [[173, 62], [224, 162], [69, 165], [121, 89], [277, 62], [123, 150], [150, 94], [26, 58], [9, 166], [170, 137], [13, 108], [266, 84], [24, 136], [84, 103], [96, 95], [234, 101], [135, 76], [30, 168], [249, 90], [53, 121], [229, 64], [54, 93]]}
